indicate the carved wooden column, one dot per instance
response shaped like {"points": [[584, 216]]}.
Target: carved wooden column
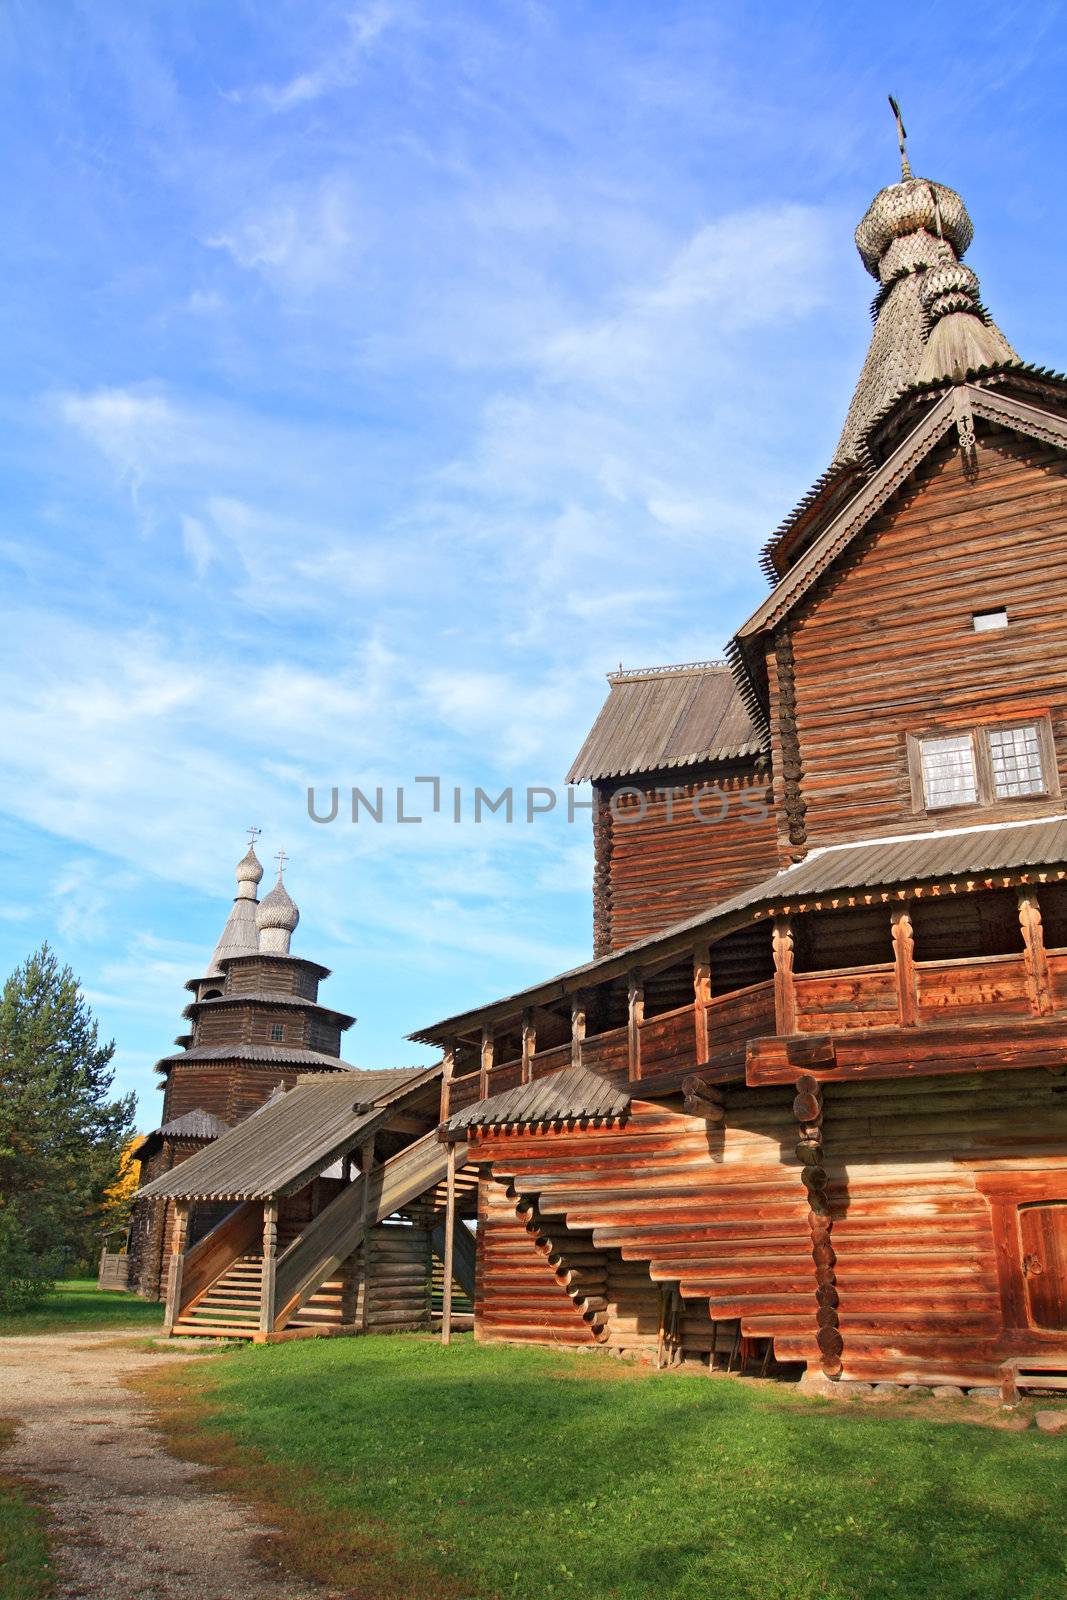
{"points": [[486, 1062], [785, 994], [450, 1243], [635, 1015], [904, 963], [267, 1304], [448, 1072], [177, 1263], [578, 1017], [1038, 982], [529, 1043], [808, 1110], [701, 1000]]}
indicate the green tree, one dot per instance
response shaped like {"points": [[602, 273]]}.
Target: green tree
{"points": [[61, 1136]]}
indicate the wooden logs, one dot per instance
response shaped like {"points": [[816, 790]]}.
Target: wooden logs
{"points": [[807, 1109], [703, 1099]]}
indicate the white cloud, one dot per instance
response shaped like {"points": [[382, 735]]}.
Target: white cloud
{"points": [[300, 239], [365, 25]]}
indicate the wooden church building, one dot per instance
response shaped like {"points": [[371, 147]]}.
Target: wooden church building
{"points": [[807, 1103]]}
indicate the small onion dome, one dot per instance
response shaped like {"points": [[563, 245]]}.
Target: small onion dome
{"points": [[249, 869], [913, 206], [277, 910]]}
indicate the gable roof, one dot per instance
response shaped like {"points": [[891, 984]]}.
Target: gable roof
{"points": [[957, 407], [283, 1144], [657, 717], [574, 1092]]}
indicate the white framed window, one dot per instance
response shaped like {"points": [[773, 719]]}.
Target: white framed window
{"points": [[996, 764], [1016, 763], [949, 771]]}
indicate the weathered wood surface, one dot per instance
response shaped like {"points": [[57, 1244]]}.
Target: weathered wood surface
{"points": [[658, 863], [207, 1260], [338, 1229], [888, 648]]}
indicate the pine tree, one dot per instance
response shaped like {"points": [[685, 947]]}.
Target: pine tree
{"points": [[61, 1136]]}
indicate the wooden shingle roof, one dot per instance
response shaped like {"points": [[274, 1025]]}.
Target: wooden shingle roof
{"points": [[657, 717], [286, 1142], [574, 1092]]}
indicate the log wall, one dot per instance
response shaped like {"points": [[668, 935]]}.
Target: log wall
{"points": [[886, 646], [658, 862]]}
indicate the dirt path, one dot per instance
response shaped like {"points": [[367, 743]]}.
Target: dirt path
{"points": [[131, 1523]]}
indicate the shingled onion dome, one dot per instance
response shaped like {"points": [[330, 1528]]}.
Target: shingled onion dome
{"points": [[239, 937], [249, 875], [929, 324], [276, 919]]}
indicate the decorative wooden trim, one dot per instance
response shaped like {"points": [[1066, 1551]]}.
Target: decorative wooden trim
{"points": [[268, 1296], [904, 963], [785, 993], [603, 840], [529, 1043], [701, 1000], [578, 1018], [635, 1015], [808, 1111], [1038, 982], [448, 1072], [792, 771], [486, 1062]]}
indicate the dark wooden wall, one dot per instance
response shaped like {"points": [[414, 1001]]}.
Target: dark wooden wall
{"points": [[661, 865], [886, 644]]}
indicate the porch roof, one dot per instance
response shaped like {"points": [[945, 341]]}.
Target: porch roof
{"points": [[897, 861], [574, 1092], [283, 1144]]}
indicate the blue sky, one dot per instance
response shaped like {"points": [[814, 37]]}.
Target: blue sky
{"points": [[376, 377]]}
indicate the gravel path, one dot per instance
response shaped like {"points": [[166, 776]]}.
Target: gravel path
{"points": [[131, 1523]]}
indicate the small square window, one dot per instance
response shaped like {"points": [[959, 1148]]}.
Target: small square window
{"points": [[1015, 754], [948, 770], [277, 1032], [986, 621]]}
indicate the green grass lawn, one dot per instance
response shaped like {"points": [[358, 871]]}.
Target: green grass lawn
{"points": [[25, 1573], [482, 1470], [77, 1305]]}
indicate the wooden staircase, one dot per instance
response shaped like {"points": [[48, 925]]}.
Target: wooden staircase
{"points": [[230, 1308]]}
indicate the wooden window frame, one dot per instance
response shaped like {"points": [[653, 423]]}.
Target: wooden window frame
{"points": [[277, 1033], [983, 765]]}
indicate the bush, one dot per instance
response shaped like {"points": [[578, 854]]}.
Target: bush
{"points": [[25, 1278]]}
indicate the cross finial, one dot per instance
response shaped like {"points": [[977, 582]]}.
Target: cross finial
{"points": [[902, 139], [281, 858], [253, 835]]}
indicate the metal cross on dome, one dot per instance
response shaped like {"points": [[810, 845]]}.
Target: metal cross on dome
{"points": [[902, 139], [253, 835], [281, 858]]}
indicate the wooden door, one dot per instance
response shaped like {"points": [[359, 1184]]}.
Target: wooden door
{"points": [[1043, 1236]]}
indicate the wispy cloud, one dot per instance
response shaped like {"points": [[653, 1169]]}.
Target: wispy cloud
{"points": [[364, 26]]}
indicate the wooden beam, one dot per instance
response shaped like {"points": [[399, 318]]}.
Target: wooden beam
{"points": [[808, 1111], [1038, 982], [529, 1043], [486, 1061], [635, 1015], [701, 1000], [268, 1295], [785, 992], [910, 1053], [450, 1245], [366, 1165], [578, 1015], [904, 962], [177, 1262]]}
